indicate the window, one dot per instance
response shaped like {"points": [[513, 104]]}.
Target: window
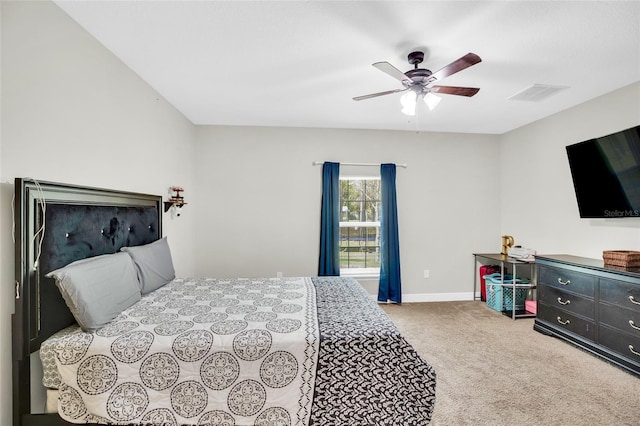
{"points": [[360, 226]]}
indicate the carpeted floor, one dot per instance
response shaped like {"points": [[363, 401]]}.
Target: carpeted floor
{"points": [[492, 370]]}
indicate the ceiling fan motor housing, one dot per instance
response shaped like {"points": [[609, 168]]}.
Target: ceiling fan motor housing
{"points": [[417, 75]]}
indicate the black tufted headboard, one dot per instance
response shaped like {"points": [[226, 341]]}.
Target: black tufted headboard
{"points": [[79, 222], [74, 232]]}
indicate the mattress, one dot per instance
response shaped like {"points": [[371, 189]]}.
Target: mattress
{"points": [[359, 369]]}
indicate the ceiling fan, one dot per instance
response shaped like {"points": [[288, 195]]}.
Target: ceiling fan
{"points": [[420, 81]]}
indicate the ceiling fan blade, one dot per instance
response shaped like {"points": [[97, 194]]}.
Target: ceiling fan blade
{"points": [[458, 65], [454, 90], [394, 72], [374, 95]]}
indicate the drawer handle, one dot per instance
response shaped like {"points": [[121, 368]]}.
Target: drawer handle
{"points": [[633, 325], [567, 282], [633, 300], [633, 351], [563, 322], [560, 301]]}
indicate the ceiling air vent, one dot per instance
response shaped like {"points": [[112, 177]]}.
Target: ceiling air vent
{"points": [[537, 92]]}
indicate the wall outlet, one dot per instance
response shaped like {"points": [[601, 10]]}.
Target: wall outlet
{"points": [[426, 273], [279, 274]]}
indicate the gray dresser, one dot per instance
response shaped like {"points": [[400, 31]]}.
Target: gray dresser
{"points": [[591, 306]]}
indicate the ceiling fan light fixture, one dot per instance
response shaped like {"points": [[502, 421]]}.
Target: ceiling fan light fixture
{"points": [[408, 99], [408, 102], [409, 110], [431, 100]]}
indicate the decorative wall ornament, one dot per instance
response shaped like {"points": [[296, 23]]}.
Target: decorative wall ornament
{"points": [[176, 202]]}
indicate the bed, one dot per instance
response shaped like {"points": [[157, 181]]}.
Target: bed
{"points": [[293, 350]]}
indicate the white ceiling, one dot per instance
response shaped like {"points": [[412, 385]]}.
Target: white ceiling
{"points": [[300, 63]]}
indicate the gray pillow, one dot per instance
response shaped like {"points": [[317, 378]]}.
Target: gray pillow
{"points": [[153, 264], [98, 289]]}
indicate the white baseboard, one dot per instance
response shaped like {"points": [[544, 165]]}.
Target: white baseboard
{"points": [[435, 297]]}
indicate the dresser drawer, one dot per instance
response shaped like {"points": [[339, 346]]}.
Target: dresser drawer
{"points": [[568, 302], [620, 293], [567, 280], [566, 321], [622, 343], [627, 320]]}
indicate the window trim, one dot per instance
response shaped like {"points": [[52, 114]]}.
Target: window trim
{"points": [[360, 272], [360, 224]]}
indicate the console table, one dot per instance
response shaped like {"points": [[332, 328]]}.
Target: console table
{"points": [[592, 306], [502, 260]]}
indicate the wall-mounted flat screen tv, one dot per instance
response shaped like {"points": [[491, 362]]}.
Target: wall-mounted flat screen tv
{"points": [[606, 175]]}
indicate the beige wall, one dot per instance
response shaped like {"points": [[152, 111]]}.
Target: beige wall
{"points": [[260, 201], [72, 112], [539, 206]]}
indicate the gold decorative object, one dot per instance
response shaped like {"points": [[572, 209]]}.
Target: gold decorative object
{"points": [[507, 243]]}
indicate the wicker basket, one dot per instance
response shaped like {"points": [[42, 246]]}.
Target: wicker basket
{"points": [[625, 258]]}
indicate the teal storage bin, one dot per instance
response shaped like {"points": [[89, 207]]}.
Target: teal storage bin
{"points": [[499, 297]]}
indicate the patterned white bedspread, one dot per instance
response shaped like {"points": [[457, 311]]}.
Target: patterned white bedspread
{"points": [[366, 372], [238, 351]]}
